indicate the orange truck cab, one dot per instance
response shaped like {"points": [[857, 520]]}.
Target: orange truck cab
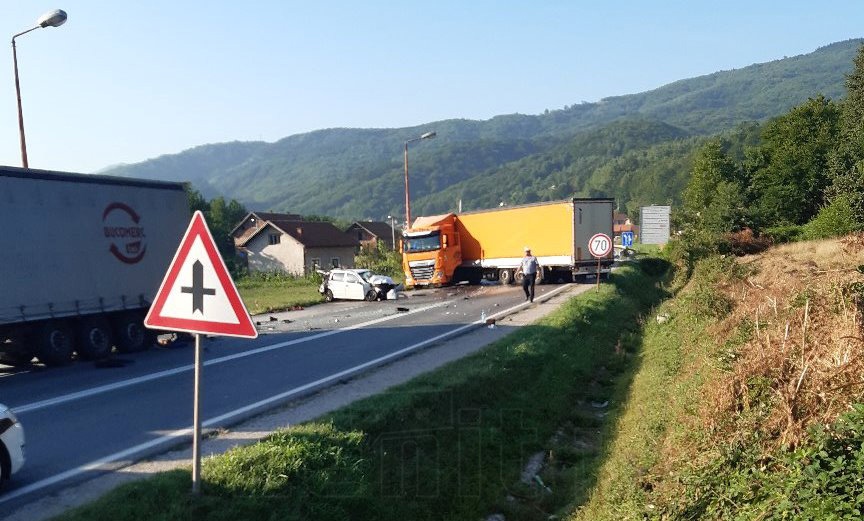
{"points": [[489, 244]]}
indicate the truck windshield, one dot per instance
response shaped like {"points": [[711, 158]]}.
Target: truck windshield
{"points": [[423, 243]]}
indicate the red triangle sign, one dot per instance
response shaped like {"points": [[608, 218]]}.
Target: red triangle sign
{"points": [[197, 294]]}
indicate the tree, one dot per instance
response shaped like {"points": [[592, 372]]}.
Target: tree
{"points": [[222, 217], [789, 171], [715, 198], [846, 165], [195, 200]]}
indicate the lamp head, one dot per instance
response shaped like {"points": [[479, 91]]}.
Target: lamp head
{"points": [[54, 18]]}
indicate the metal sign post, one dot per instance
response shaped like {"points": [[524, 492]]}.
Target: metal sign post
{"points": [[598, 274], [196, 420], [198, 296]]}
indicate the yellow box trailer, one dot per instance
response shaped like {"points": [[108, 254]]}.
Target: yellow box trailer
{"points": [[489, 244]]}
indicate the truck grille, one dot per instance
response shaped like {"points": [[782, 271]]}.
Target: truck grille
{"points": [[422, 272]]}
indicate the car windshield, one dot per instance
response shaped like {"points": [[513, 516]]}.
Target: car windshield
{"points": [[365, 274], [423, 243]]}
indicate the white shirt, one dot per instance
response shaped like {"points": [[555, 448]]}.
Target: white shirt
{"points": [[530, 264]]}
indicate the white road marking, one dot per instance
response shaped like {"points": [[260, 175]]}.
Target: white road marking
{"points": [[179, 435], [191, 367]]}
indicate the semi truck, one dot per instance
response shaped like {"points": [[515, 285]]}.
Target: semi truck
{"points": [[82, 257], [488, 244]]}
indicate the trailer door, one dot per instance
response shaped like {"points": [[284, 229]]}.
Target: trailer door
{"points": [[590, 216]]}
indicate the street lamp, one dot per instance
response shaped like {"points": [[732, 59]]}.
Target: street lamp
{"points": [[54, 18], [427, 135], [392, 230]]}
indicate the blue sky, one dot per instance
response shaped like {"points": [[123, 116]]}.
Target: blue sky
{"points": [[126, 81]]}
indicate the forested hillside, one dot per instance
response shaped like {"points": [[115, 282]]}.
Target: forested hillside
{"points": [[636, 148]]}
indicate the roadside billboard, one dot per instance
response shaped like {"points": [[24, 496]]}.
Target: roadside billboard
{"points": [[654, 224]]}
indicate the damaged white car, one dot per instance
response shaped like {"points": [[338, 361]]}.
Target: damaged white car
{"points": [[356, 284]]}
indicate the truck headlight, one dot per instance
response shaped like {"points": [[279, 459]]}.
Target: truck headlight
{"points": [[438, 275]]}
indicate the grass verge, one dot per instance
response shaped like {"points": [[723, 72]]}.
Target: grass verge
{"points": [[747, 404], [448, 445], [267, 293]]}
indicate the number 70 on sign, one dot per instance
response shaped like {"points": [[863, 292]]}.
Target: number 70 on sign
{"points": [[600, 245]]}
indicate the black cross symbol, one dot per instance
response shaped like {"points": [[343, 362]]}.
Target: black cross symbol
{"points": [[198, 290]]}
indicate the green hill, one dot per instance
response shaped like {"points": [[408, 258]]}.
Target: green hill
{"points": [[602, 148]]}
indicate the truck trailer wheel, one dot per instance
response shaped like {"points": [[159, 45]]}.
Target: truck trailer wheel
{"points": [[95, 339], [54, 344], [505, 276], [130, 333]]}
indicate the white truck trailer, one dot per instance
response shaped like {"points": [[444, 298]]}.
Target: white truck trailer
{"points": [[81, 258]]}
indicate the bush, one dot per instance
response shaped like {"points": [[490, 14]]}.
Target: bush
{"points": [[783, 234], [380, 259], [832, 221]]}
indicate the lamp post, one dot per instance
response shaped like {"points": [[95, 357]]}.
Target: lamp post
{"points": [[54, 18], [427, 135], [393, 230]]}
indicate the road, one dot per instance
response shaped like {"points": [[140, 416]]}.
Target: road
{"points": [[88, 418]]}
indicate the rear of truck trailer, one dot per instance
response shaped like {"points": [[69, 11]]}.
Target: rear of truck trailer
{"points": [[590, 217]]}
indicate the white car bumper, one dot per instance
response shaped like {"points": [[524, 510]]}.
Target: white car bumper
{"points": [[13, 440]]}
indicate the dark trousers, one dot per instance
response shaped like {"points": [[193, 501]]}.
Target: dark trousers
{"points": [[528, 285]]}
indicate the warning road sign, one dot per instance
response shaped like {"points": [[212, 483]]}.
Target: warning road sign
{"points": [[197, 294]]}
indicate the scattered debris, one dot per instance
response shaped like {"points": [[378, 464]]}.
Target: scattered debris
{"points": [[598, 405], [402, 310], [663, 318]]}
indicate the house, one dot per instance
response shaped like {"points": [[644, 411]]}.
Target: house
{"points": [[297, 247], [372, 232], [254, 220], [622, 223]]}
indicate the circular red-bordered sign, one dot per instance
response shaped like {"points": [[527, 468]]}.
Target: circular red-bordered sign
{"points": [[600, 245]]}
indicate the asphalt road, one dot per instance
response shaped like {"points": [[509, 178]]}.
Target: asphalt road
{"points": [[88, 419]]}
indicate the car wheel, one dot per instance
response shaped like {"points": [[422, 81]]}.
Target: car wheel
{"points": [[328, 296], [94, 339], [371, 296], [54, 344]]}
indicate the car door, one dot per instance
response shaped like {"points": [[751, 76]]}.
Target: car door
{"points": [[354, 287], [337, 284]]}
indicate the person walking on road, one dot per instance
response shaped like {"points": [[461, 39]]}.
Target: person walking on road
{"points": [[529, 268]]}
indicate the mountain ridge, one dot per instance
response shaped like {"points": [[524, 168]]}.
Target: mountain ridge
{"points": [[357, 173]]}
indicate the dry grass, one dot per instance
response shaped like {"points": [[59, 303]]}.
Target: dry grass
{"points": [[804, 362]]}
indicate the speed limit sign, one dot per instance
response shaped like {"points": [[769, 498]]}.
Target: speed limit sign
{"points": [[600, 245]]}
